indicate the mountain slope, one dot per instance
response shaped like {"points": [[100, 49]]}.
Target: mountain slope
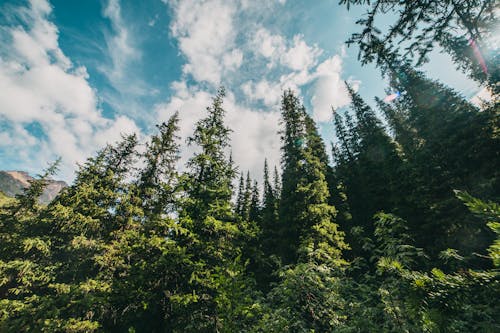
{"points": [[13, 183]]}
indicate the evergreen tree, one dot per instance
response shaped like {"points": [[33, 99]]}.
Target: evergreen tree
{"points": [[158, 179], [293, 158], [306, 296], [68, 280], [217, 281], [239, 198], [460, 27], [152, 279], [247, 198], [268, 223], [454, 147], [254, 212]]}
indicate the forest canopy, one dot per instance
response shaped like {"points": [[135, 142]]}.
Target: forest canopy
{"points": [[394, 227]]}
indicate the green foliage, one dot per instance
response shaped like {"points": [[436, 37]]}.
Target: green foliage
{"points": [[134, 245], [420, 25], [488, 212], [306, 300]]}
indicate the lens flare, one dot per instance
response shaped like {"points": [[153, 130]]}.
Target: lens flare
{"points": [[478, 55], [391, 97]]}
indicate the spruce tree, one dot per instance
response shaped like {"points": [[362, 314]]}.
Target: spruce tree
{"points": [[217, 283], [254, 211], [239, 198], [158, 178], [247, 198], [306, 295], [460, 27], [454, 147], [293, 158]]}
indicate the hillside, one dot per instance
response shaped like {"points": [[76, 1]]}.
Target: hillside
{"points": [[13, 183]]}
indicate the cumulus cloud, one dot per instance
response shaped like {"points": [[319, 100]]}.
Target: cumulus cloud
{"points": [[295, 54], [268, 93], [329, 89], [40, 86], [270, 46], [254, 133], [300, 56], [214, 38], [206, 36]]}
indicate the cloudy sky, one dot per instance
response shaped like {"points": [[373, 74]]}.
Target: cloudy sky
{"points": [[76, 74]]}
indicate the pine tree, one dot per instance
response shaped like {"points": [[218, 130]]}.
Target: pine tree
{"points": [[158, 179], [306, 296], [239, 198], [453, 148], [291, 201], [460, 27], [218, 301], [254, 212], [247, 197]]}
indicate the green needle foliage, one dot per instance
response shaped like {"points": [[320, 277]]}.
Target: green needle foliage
{"points": [[398, 232]]}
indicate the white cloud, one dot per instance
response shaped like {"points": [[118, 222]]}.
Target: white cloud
{"points": [[214, 38], [296, 54], [300, 56], [264, 91], [254, 137], [269, 46], [17, 136], [122, 65], [254, 133], [119, 44], [40, 85], [329, 89], [233, 59], [206, 35]]}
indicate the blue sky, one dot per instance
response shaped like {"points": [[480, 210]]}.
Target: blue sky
{"points": [[76, 74]]}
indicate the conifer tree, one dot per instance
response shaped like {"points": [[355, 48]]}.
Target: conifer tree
{"points": [[239, 198], [306, 296], [158, 179], [217, 283], [378, 163], [79, 224], [153, 276], [293, 156], [247, 198], [460, 27], [277, 183], [451, 138], [269, 221], [254, 212]]}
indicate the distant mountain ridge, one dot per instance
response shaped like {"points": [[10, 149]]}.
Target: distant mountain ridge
{"points": [[14, 182]]}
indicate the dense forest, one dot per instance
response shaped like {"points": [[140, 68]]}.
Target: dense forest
{"points": [[394, 227]]}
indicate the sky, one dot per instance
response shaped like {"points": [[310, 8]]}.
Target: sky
{"points": [[74, 75]]}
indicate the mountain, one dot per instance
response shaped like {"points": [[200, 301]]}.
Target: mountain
{"points": [[13, 183]]}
